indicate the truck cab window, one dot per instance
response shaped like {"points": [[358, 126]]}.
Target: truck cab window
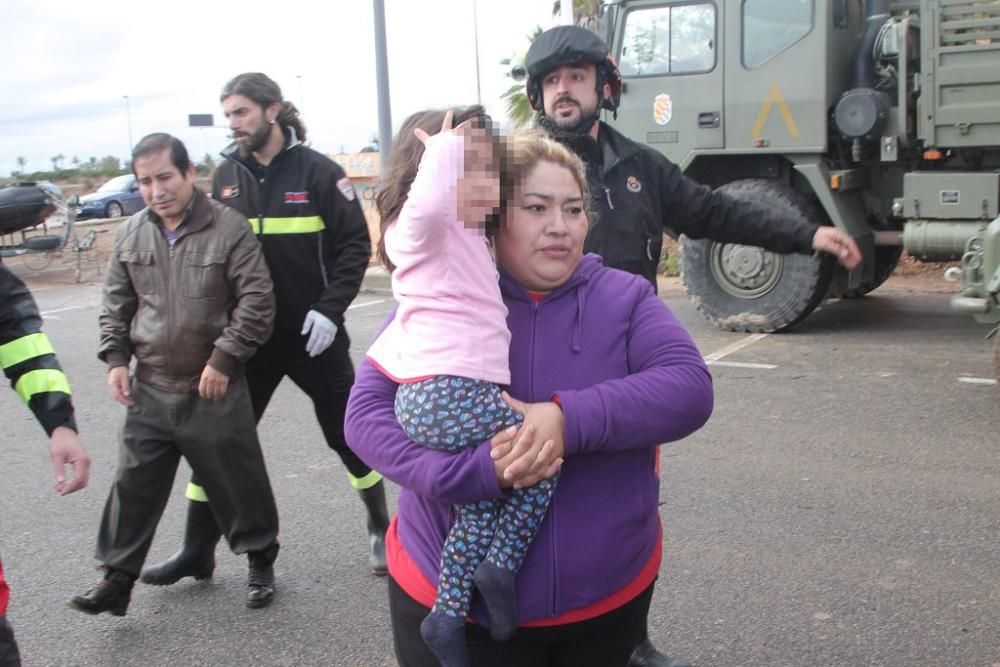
{"points": [[676, 39], [771, 26]]}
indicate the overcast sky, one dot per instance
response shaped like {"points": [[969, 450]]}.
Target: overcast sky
{"points": [[65, 67]]}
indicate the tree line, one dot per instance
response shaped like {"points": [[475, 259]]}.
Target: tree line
{"points": [[101, 168]]}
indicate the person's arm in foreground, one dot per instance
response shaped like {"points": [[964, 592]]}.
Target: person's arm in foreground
{"points": [[700, 212], [30, 363]]}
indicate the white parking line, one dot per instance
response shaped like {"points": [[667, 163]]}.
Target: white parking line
{"points": [[986, 381], [714, 358], [366, 303], [46, 313], [740, 364]]}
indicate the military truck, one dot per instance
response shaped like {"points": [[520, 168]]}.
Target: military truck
{"points": [[882, 118]]}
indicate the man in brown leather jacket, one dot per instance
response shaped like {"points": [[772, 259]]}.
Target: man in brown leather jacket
{"points": [[187, 293]]}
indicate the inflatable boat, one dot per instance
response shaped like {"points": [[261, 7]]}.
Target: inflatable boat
{"points": [[26, 205]]}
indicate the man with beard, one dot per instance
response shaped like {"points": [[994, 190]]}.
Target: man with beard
{"points": [[637, 193], [306, 216]]}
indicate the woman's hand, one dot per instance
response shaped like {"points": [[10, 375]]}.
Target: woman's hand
{"points": [[524, 456]]}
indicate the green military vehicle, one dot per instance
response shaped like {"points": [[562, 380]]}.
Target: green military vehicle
{"points": [[882, 118]]}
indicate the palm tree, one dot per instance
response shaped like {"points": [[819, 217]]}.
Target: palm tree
{"points": [[22, 162], [587, 14]]}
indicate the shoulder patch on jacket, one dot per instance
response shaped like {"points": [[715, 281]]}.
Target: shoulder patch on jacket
{"points": [[229, 192], [346, 189]]}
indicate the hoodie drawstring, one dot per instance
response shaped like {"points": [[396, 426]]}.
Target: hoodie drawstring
{"points": [[578, 325]]}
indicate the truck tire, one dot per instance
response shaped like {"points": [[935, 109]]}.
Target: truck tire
{"points": [[886, 259], [745, 288]]}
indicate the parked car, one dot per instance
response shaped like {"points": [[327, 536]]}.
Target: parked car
{"points": [[119, 196]]}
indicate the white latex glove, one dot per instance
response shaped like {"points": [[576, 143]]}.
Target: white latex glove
{"points": [[321, 331]]}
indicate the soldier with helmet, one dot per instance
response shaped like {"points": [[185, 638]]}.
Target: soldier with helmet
{"points": [[638, 194]]}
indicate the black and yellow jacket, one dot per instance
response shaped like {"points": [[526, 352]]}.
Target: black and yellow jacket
{"points": [[28, 359], [309, 222]]}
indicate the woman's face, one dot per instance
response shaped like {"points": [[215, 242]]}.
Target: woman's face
{"points": [[541, 240]]}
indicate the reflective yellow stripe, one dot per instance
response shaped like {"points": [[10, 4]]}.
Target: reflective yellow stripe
{"points": [[24, 348], [366, 482], [196, 493], [41, 381], [306, 225], [255, 226]]}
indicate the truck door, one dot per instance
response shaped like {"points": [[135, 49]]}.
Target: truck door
{"points": [[669, 57], [776, 76]]}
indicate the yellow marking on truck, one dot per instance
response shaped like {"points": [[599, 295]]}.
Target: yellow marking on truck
{"points": [[774, 97]]}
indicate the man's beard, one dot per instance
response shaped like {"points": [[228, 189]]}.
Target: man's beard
{"points": [[256, 140], [568, 130], [575, 136]]}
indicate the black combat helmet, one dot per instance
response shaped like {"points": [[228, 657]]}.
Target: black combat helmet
{"points": [[565, 45]]}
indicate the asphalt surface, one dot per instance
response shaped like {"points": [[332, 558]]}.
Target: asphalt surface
{"points": [[841, 507]]}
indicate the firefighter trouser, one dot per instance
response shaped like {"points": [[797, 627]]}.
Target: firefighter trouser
{"points": [[326, 379], [219, 441]]}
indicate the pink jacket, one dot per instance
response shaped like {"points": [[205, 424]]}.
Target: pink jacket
{"points": [[451, 319]]}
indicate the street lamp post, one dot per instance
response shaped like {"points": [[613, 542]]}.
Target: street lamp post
{"points": [[475, 35], [382, 84], [128, 115]]}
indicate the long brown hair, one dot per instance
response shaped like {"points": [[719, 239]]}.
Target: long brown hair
{"points": [[407, 150], [263, 90]]}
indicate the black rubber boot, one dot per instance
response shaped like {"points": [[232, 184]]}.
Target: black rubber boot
{"points": [[111, 595], [197, 555], [646, 655], [260, 577], [378, 523]]}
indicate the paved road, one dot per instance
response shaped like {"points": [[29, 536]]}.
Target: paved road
{"points": [[842, 507]]}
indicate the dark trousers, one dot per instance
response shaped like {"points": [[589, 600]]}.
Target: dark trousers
{"points": [[219, 440], [604, 641], [326, 380], [9, 655]]}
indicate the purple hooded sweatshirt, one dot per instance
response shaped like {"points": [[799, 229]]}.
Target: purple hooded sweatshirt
{"points": [[628, 377]]}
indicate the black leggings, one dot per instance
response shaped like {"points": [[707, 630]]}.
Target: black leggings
{"points": [[604, 641]]}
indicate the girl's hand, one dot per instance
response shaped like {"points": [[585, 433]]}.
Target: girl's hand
{"points": [[445, 127], [465, 129]]}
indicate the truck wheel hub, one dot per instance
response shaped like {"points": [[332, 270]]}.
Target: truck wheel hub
{"points": [[745, 271]]}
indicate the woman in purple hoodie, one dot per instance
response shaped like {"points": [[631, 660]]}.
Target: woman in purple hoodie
{"points": [[603, 373]]}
